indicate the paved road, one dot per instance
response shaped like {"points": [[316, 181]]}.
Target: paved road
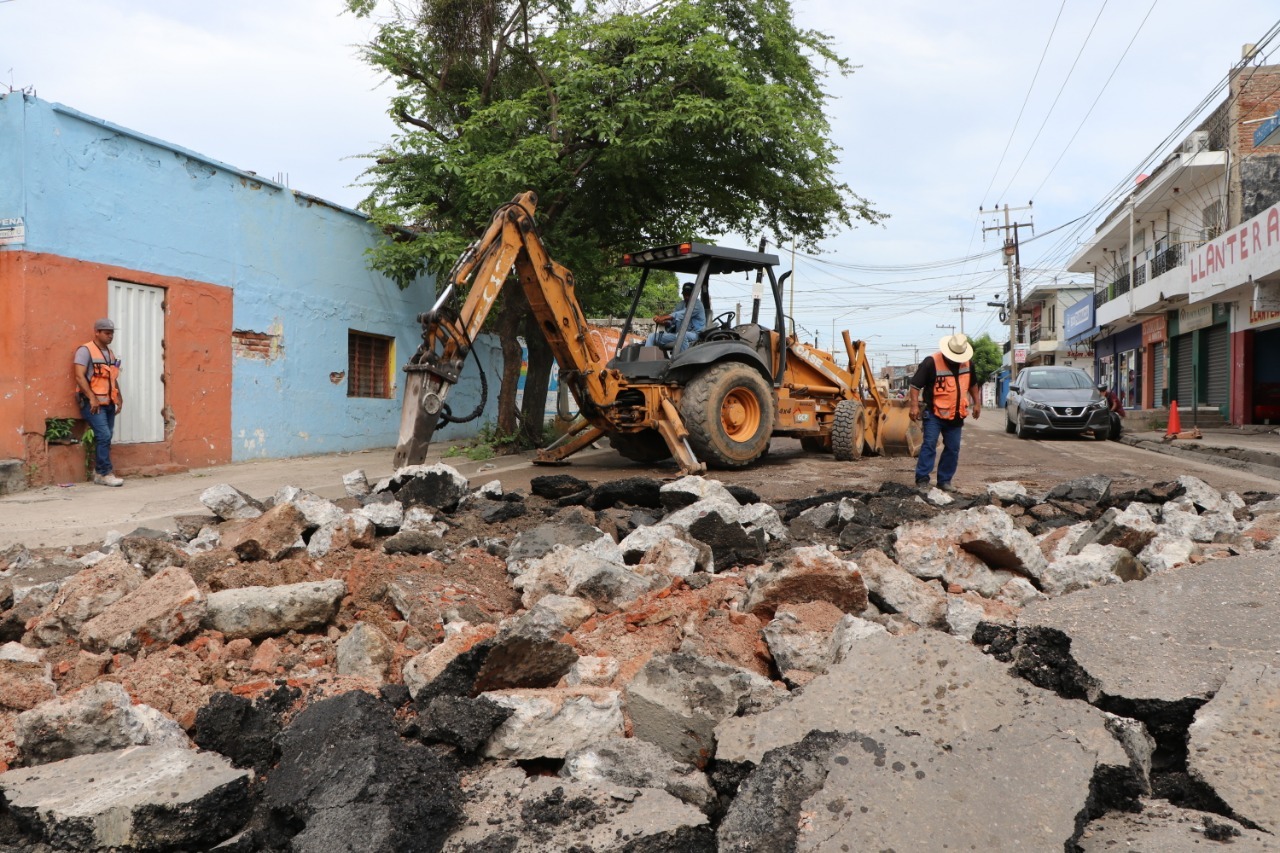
{"points": [[83, 513]]}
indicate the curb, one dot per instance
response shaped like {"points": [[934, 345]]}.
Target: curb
{"points": [[1187, 450]]}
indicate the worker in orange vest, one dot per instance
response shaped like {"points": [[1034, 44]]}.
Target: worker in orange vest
{"points": [[945, 384], [97, 375]]}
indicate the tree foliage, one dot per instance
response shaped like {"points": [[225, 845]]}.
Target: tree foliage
{"points": [[987, 357], [635, 127]]}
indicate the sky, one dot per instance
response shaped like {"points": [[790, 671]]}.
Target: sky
{"points": [[953, 107]]}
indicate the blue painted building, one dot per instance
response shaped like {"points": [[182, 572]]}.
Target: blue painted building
{"points": [[250, 323]]}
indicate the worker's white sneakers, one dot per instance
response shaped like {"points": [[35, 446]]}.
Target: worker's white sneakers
{"points": [[107, 480]]}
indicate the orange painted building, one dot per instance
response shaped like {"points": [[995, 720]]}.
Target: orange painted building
{"points": [[47, 308]]}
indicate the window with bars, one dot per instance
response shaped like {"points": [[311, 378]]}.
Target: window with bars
{"points": [[368, 365]]}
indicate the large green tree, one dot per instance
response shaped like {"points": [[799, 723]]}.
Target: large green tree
{"points": [[635, 126], [987, 357]]}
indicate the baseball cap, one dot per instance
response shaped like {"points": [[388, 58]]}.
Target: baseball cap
{"points": [[104, 325]]}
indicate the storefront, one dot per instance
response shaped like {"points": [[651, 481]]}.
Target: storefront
{"points": [[1155, 333], [1200, 348], [1255, 355], [1119, 360]]}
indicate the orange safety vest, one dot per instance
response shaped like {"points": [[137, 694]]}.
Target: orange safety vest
{"points": [[104, 375], [950, 390]]}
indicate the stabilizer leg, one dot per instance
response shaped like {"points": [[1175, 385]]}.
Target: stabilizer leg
{"points": [[676, 435], [580, 434]]}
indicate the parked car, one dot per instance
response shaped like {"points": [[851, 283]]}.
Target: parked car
{"points": [[1058, 400]]}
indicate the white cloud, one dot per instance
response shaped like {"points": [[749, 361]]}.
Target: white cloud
{"points": [[276, 87]]}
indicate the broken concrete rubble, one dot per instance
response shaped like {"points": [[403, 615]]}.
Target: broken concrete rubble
{"points": [[628, 663], [261, 611], [99, 718], [145, 798]]}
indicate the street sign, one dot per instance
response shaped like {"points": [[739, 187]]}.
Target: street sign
{"points": [[1019, 355], [13, 231]]}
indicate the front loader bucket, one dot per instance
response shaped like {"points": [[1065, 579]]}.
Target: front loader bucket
{"points": [[896, 433]]}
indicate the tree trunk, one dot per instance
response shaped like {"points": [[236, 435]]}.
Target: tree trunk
{"points": [[510, 314], [536, 381]]}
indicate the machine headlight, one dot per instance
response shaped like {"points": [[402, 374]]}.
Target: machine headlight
{"points": [[1034, 404]]}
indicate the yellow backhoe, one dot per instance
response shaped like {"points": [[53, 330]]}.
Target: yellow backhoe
{"points": [[716, 400]]}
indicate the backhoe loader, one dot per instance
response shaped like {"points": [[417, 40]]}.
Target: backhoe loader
{"points": [[715, 401]]}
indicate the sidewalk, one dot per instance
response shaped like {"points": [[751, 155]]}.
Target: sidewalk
{"points": [[80, 513], [1254, 449]]}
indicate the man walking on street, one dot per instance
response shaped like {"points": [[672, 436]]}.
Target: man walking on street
{"points": [[97, 376], [943, 393]]}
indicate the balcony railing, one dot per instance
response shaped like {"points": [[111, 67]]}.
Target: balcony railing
{"points": [[1140, 276], [1100, 297], [1166, 260], [1119, 286], [1035, 335]]}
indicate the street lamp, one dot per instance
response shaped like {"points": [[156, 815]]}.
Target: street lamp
{"points": [[841, 317]]}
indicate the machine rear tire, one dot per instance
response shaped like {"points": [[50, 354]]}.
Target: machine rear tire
{"points": [[729, 412], [646, 446], [849, 431]]}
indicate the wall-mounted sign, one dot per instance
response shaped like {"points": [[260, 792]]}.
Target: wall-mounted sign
{"points": [[1020, 355], [13, 231], [1078, 319], [1190, 319], [1248, 250], [1155, 329]]}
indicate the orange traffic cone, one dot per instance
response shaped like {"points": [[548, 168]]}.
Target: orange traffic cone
{"points": [[1175, 424]]}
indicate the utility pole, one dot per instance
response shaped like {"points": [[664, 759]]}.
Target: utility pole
{"points": [[1012, 260], [961, 309]]}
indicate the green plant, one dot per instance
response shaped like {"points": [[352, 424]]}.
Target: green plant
{"points": [[487, 443], [89, 440], [59, 429]]}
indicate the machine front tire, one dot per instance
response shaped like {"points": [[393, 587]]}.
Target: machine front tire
{"points": [[849, 431], [729, 412], [1008, 424], [1021, 430], [647, 446]]}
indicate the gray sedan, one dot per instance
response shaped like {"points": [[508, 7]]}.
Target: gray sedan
{"points": [[1055, 400]]}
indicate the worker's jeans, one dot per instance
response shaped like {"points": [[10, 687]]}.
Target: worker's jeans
{"points": [[103, 425], [950, 460]]}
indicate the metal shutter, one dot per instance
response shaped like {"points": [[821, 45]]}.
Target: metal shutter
{"points": [[1157, 374], [138, 310], [1219, 365], [1183, 374]]}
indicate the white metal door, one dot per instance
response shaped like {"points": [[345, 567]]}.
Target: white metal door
{"points": [[138, 312]]}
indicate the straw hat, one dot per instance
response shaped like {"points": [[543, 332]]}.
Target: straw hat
{"points": [[956, 348]]}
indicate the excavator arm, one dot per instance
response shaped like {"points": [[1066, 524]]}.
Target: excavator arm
{"points": [[510, 243]]}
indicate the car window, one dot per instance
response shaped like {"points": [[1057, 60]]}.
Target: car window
{"points": [[1058, 380]]}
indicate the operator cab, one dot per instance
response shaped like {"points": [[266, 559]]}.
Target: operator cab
{"points": [[721, 338]]}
